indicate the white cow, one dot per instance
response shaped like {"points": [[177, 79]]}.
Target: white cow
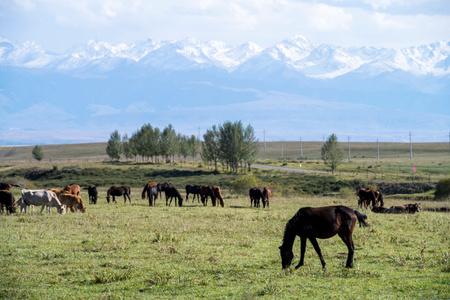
{"points": [[41, 197]]}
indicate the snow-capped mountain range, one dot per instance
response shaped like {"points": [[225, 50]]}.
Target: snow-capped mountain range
{"points": [[294, 88], [296, 54]]}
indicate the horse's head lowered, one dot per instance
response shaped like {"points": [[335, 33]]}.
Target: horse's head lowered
{"points": [[286, 256]]}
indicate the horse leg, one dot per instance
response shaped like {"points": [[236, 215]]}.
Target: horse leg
{"points": [[317, 248], [347, 238], [302, 251]]}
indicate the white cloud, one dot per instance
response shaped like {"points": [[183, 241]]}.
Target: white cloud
{"points": [[103, 110], [140, 108], [385, 21]]}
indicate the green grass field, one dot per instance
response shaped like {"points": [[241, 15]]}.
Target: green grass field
{"points": [[119, 251], [123, 251]]}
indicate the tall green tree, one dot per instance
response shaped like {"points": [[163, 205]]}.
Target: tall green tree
{"points": [[183, 143], [114, 147], [194, 146], [168, 142], [37, 153], [332, 154], [250, 147], [210, 148]]}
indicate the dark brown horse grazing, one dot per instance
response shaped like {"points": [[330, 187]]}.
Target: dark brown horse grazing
{"points": [[266, 196], [323, 223], [144, 191], [93, 193], [367, 196], [172, 192], [255, 194], [7, 199], [162, 187], [206, 192], [195, 190], [119, 191], [152, 193]]}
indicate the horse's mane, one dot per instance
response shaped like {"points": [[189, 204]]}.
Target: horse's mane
{"points": [[289, 230]]}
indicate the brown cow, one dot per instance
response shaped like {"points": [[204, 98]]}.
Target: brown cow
{"points": [[73, 189], [406, 208], [73, 201]]}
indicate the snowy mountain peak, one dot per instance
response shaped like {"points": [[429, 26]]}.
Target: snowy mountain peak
{"points": [[296, 53]]}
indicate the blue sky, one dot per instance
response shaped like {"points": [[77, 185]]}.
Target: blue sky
{"points": [[57, 25]]}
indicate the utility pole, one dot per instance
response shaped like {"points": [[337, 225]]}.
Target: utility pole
{"points": [[264, 140], [378, 151], [348, 148], [410, 146], [301, 148]]}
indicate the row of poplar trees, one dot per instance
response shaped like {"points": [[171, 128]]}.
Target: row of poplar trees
{"points": [[230, 144]]}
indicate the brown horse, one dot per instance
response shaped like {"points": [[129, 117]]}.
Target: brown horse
{"points": [[6, 186], [366, 196], [73, 189], [266, 196], [152, 193], [206, 192], [255, 194], [218, 195], [146, 188], [323, 223], [7, 199], [119, 191], [406, 208]]}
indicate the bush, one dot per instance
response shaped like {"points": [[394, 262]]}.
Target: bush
{"points": [[442, 189], [243, 184]]}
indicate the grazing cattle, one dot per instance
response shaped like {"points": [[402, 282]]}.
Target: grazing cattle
{"points": [[323, 223], [162, 187], [218, 195], [172, 192], [6, 186], [93, 194], [7, 200], [266, 196], [114, 191], [73, 189], [152, 194], [195, 190], [406, 208], [206, 192], [41, 197], [144, 191], [255, 194], [73, 201]]}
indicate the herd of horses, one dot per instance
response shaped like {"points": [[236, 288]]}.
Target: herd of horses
{"points": [[308, 223]]}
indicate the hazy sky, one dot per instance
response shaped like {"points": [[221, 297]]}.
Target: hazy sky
{"points": [[57, 25]]}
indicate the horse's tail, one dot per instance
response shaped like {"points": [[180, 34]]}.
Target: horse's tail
{"points": [[361, 218], [381, 199]]}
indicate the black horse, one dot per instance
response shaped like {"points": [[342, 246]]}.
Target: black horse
{"points": [[119, 191], [152, 194], [323, 223], [162, 187], [172, 192], [93, 193], [206, 192], [195, 190], [7, 199], [256, 195]]}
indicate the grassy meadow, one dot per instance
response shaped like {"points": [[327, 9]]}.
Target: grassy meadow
{"points": [[123, 251]]}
